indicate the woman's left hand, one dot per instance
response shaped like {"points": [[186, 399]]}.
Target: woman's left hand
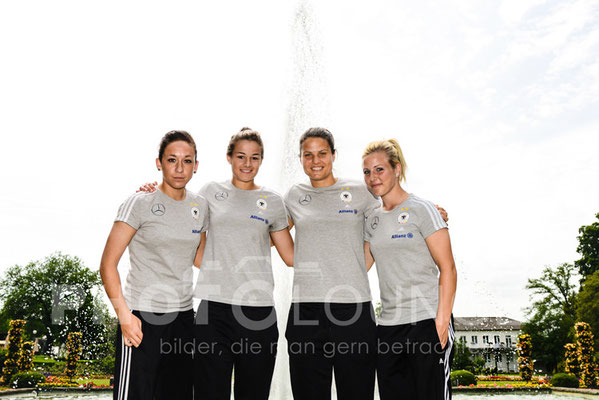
{"points": [[444, 214], [442, 332]]}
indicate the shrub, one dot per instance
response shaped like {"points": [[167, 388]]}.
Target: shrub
{"points": [[74, 352], [107, 365], [463, 378], [564, 380], [27, 379], [15, 340]]}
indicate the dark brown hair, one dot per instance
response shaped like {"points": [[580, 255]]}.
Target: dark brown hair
{"points": [[318, 133], [245, 134], [174, 136]]}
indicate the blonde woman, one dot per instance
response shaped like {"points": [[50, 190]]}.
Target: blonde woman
{"points": [[410, 242]]}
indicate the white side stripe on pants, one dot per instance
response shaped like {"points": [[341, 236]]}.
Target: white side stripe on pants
{"points": [[450, 339], [125, 367]]}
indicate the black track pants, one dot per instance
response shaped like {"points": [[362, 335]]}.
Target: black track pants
{"points": [[331, 338]]}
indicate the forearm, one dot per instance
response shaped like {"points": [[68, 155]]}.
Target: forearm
{"points": [[447, 287], [284, 245]]}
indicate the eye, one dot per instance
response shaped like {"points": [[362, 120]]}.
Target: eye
{"points": [[307, 155], [256, 158], [188, 161], [366, 172], [171, 160], [379, 169]]}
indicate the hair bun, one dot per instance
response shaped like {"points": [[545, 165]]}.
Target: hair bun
{"points": [[245, 128]]}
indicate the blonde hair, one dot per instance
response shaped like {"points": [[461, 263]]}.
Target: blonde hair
{"points": [[394, 154]]}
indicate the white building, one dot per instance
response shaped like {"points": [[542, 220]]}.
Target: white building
{"points": [[492, 338]]}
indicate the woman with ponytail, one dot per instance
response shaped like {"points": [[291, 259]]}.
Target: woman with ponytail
{"points": [[236, 325], [410, 242]]}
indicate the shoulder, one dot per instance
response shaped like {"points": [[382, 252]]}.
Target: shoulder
{"points": [[419, 204], [271, 194], [141, 198], [294, 190]]}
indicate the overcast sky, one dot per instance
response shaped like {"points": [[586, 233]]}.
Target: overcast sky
{"points": [[494, 103]]}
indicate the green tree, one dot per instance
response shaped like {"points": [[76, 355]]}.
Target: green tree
{"points": [[587, 307], [462, 359], [588, 248], [56, 296], [552, 314]]}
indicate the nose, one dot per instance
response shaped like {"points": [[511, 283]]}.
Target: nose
{"points": [[179, 167]]}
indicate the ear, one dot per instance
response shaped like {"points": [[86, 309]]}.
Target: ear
{"points": [[334, 155], [195, 168], [229, 159], [398, 170], [158, 164]]}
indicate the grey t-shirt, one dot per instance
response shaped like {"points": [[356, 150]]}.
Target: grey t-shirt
{"points": [[163, 249], [236, 268], [408, 275], [329, 261]]}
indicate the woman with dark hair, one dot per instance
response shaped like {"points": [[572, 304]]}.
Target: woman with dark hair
{"points": [[331, 327], [410, 242], [236, 326], [164, 232]]}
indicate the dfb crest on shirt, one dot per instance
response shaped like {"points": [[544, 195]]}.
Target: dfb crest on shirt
{"points": [[403, 218], [261, 203], [345, 196], [195, 213]]}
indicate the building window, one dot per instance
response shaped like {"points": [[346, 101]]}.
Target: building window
{"points": [[509, 357], [496, 339], [498, 357], [485, 339], [487, 357], [463, 339], [508, 341], [474, 339]]}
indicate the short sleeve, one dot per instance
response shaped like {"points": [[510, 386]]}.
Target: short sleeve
{"points": [[206, 220], [204, 190], [430, 220], [367, 233], [286, 203], [280, 221], [129, 211]]}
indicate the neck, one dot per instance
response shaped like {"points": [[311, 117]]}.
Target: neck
{"points": [[394, 197], [326, 182], [175, 194], [250, 185]]}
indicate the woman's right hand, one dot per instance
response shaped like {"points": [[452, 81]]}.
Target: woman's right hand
{"points": [[148, 187], [131, 329]]}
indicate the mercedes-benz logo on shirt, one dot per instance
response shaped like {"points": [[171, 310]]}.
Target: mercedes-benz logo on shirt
{"points": [[158, 209], [305, 199], [220, 196], [374, 223]]}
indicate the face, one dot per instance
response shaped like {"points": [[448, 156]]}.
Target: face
{"points": [[245, 160], [379, 176], [178, 164], [317, 159]]}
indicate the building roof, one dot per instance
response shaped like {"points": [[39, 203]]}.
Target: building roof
{"points": [[485, 324]]}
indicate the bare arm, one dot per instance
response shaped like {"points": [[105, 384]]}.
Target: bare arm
{"points": [[117, 242], [197, 262], [284, 244], [368, 256], [440, 247]]}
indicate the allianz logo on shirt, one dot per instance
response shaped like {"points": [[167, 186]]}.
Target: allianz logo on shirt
{"points": [[348, 212], [259, 219], [408, 235], [196, 231]]}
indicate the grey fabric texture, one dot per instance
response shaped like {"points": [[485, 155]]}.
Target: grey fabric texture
{"points": [[236, 268], [408, 275], [329, 261], [163, 249]]}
